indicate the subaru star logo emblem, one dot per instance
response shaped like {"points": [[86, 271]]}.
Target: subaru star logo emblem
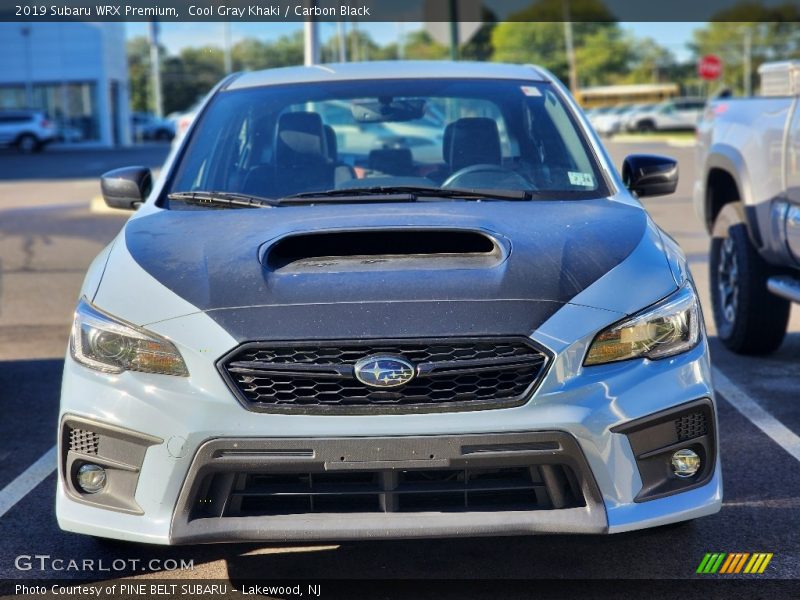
{"points": [[384, 371]]}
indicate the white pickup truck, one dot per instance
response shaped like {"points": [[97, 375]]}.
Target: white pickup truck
{"points": [[748, 195]]}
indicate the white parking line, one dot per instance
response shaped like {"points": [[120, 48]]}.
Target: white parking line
{"points": [[752, 410], [33, 476]]}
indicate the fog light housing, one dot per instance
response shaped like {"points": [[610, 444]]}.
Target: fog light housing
{"points": [[91, 478], [685, 463]]}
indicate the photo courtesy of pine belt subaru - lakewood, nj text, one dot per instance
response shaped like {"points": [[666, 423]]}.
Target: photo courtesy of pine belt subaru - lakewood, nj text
{"points": [[387, 300]]}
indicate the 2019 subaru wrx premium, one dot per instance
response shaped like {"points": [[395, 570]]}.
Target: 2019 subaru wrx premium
{"points": [[300, 336]]}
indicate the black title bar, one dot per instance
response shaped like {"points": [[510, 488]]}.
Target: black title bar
{"points": [[402, 11]]}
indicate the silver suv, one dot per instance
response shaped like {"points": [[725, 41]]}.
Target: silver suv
{"points": [[28, 130]]}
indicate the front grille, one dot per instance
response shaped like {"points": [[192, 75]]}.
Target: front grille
{"points": [[690, 426], [524, 487], [450, 373], [83, 441]]}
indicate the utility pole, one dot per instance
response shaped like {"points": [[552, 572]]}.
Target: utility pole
{"points": [[25, 32], [355, 55], [340, 35], [226, 36], [155, 69], [747, 61], [454, 42], [311, 51], [570, 47], [401, 41], [311, 45]]}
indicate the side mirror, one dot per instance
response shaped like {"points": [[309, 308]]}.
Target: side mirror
{"points": [[126, 188], [650, 175]]}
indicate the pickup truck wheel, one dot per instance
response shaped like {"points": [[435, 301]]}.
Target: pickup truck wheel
{"points": [[749, 319]]}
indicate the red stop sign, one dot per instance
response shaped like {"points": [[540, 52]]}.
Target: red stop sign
{"points": [[710, 67]]}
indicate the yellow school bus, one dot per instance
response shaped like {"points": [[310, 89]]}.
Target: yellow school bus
{"points": [[641, 93]]}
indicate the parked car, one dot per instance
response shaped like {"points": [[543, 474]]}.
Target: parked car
{"points": [[27, 130], [598, 113], [423, 137], [748, 196], [628, 121], [678, 114], [182, 120], [279, 346], [147, 126], [611, 121]]}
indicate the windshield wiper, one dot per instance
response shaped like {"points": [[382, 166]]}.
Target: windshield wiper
{"points": [[366, 194], [387, 193], [223, 199]]}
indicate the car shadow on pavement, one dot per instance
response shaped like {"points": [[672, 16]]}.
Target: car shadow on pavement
{"points": [[77, 163]]}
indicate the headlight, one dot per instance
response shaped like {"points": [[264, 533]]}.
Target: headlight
{"points": [[670, 327], [101, 342]]}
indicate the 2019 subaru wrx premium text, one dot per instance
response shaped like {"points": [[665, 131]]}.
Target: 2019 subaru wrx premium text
{"points": [[311, 329]]}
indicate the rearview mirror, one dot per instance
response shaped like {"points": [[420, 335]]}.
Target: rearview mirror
{"points": [[387, 110], [126, 188], [650, 174]]}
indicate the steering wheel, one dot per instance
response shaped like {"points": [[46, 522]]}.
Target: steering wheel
{"points": [[476, 176]]}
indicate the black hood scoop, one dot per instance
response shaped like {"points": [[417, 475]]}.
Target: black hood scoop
{"points": [[399, 270], [383, 250]]}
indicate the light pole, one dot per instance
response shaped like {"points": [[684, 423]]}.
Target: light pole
{"points": [[155, 69], [454, 41], [25, 31], [570, 47], [748, 43], [226, 36]]}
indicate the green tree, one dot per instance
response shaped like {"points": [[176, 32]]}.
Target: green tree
{"points": [[604, 56], [537, 35], [602, 52], [252, 54], [419, 45], [190, 75], [358, 43], [773, 34], [480, 46], [139, 73], [652, 63], [286, 51]]}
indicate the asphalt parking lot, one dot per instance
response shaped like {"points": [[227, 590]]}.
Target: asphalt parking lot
{"points": [[48, 236]]}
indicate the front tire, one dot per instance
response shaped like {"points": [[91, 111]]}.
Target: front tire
{"points": [[646, 126], [749, 319], [28, 144]]}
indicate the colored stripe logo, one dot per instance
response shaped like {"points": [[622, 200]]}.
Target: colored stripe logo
{"points": [[732, 563]]}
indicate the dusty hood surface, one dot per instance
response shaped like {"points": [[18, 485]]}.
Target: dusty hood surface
{"points": [[238, 266]]}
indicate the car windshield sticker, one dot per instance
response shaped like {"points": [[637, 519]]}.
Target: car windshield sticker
{"points": [[530, 90], [582, 179]]}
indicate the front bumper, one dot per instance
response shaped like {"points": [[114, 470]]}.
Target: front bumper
{"points": [[582, 414], [399, 487]]}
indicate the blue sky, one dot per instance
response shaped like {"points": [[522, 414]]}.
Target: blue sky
{"points": [[673, 36]]}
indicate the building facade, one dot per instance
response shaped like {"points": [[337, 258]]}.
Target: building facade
{"points": [[76, 72]]}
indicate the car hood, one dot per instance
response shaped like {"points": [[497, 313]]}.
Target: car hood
{"points": [[399, 270]]}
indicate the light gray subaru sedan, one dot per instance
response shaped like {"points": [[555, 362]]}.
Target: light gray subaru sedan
{"points": [[387, 300]]}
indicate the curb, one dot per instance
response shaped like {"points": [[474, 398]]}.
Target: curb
{"points": [[678, 143]]}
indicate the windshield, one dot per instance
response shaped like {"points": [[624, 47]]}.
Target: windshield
{"points": [[280, 141]]}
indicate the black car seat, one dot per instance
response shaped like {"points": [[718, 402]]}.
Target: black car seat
{"points": [[391, 161], [342, 172], [472, 141], [301, 155]]}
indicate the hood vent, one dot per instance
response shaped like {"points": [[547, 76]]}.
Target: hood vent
{"points": [[381, 250]]}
